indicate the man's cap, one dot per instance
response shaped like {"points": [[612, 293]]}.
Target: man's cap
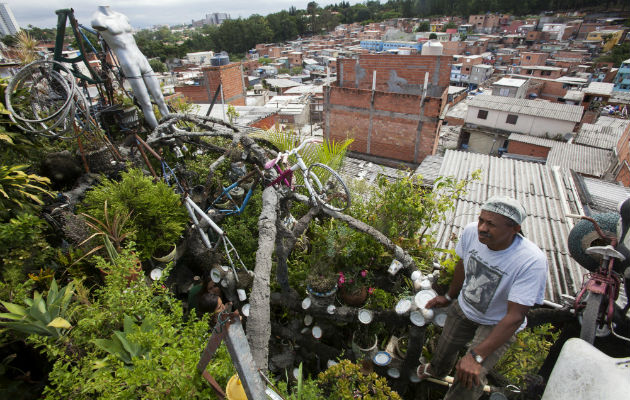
{"points": [[507, 207]]}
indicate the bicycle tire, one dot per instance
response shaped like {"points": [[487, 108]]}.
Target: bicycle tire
{"points": [[589, 317], [329, 188]]}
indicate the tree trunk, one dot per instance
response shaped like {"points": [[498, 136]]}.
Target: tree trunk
{"points": [[259, 324]]}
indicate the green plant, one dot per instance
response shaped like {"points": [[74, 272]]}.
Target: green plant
{"points": [[20, 190], [168, 352], [448, 263], [345, 381], [381, 300], [112, 231], [46, 317], [304, 388], [232, 113], [527, 353], [121, 345], [158, 216]]}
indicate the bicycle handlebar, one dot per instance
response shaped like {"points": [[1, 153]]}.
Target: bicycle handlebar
{"points": [[300, 147]]}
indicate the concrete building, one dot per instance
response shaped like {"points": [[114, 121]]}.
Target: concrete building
{"points": [[510, 87], [8, 24], [622, 79], [382, 102], [609, 37], [200, 57], [491, 119], [479, 74]]}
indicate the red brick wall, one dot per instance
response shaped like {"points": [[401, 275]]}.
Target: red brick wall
{"points": [[552, 90], [527, 149], [265, 123], [196, 94], [394, 122], [230, 76], [412, 68]]}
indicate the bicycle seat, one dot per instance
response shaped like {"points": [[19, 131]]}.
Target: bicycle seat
{"points": [[606, 252]]}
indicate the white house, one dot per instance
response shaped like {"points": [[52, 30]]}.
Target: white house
{"points": [[529, 117]]}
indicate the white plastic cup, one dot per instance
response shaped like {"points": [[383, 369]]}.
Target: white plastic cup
{"points": [[242, 296], [394, 267]]}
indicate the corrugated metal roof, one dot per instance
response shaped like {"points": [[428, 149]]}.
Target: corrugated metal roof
{"points": [[538, 108], [583, 159], [547, 193], [600, 136], [605, 196], [599, 88], [615, 123]]}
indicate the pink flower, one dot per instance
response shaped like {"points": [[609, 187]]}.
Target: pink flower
{"points": [[364, 273], [370, 290], [351, 281], [342, 279]]}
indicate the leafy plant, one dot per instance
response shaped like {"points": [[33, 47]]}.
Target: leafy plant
{"points": [[122, 346], [232, 113], [167, 369], [345, 381], [304, 389], [20, 190], [41, 316], [527, 353], [158, 216], [112, 231], [381, 300]]}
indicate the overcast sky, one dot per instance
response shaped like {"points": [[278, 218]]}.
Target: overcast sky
{"points": [[145, 13]]}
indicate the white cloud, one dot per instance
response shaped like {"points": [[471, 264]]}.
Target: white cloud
{"points": [[145, 13]]}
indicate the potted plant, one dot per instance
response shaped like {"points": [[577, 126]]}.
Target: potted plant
{"points": [[354, 286], [365, 339], [321, 281]]}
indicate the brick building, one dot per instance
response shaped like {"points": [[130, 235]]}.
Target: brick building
{"points": [[529, 58], [381, 102], [230, 76]]}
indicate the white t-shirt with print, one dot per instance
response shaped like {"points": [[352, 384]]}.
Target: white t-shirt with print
{"points": [[517, 274]]}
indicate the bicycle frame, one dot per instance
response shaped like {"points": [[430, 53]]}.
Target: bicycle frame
{"points": [[226, 194], [194, 211], [603, 282]]}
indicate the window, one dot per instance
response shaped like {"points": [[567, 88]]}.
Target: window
{"points": [[482, 114], [528, 57], [504, 92], [511, 119]]}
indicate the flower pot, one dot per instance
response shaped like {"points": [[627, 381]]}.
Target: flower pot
{"points": [[354, 299], [322, 298], [166, 258], [367, 351]]}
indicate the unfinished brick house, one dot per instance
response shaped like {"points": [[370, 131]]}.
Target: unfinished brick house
{"points": [[381, 102], [202, 92]]}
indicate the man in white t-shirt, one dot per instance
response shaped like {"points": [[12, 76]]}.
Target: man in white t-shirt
{"points": [[499, 276]]}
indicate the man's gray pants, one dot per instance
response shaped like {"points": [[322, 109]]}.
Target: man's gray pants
{"points": [[458, 332]]}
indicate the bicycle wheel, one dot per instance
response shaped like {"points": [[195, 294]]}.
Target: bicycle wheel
{"points": [[328, 187], [589, 317]]}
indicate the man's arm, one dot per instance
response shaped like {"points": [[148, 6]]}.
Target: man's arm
{"points": [[468, 369], [453, 290]]}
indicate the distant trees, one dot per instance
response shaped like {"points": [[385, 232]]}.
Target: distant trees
{"points": [[239, 35]]}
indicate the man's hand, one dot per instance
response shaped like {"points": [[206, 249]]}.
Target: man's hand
{"points": [[438, 301], [468, 371]]}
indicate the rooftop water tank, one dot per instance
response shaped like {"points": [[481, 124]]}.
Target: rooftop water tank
{"points": [[220, 59], [432, 48]]}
